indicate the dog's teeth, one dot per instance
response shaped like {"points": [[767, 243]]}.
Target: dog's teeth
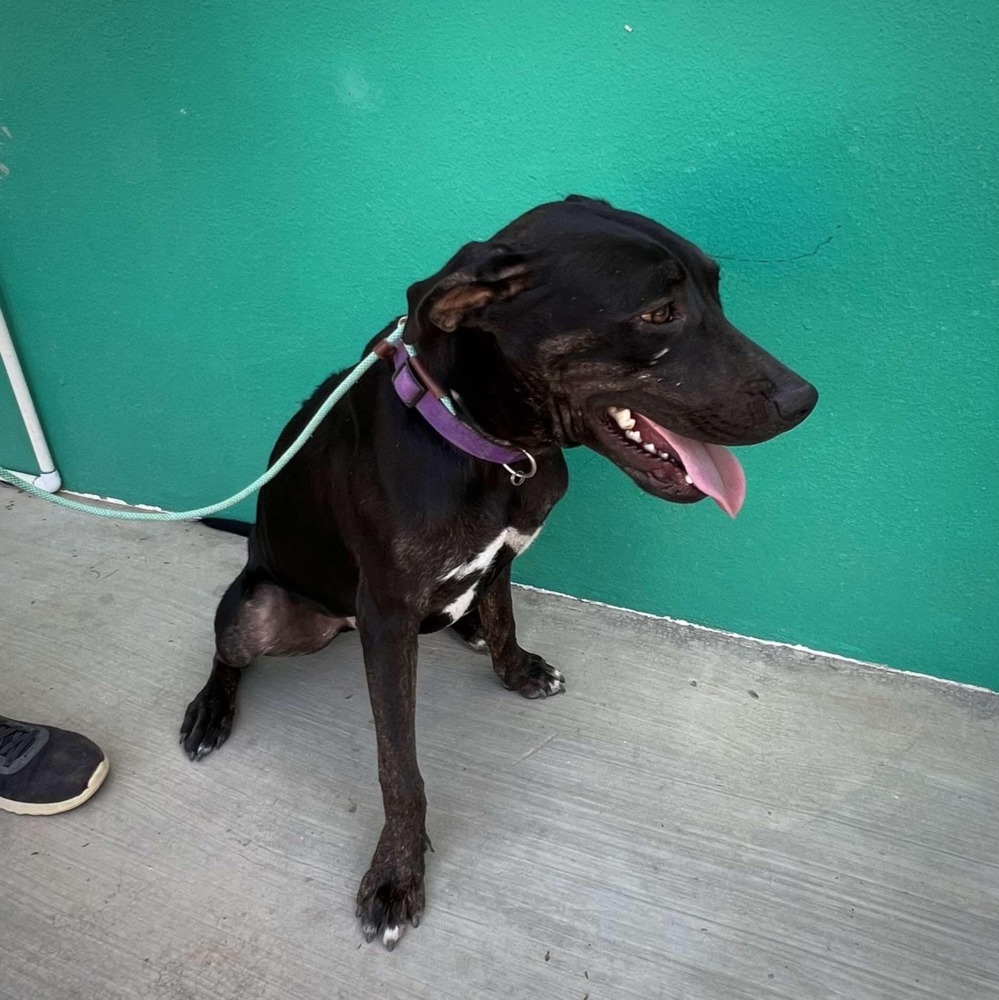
{"points": [[649, 447], [688, 480], [634, 436], [663, 454], [622, 418], [612, 410]]}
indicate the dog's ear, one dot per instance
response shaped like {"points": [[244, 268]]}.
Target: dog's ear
{"points": [[479, 275], [584, 199]]}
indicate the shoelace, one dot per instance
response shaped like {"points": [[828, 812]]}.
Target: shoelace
{"points": [[14, 740]]}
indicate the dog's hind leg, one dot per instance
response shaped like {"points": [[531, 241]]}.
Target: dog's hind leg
{"points": [[527, 673], [468, 628], [208, 719], [256, 617]]}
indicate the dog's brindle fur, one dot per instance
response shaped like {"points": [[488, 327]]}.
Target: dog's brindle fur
{"points": [[381, 523]]}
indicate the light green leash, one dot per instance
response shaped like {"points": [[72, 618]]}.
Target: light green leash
{"points": [[193, 515]]}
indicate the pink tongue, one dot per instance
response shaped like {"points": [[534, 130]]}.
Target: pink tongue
{"points": [[714, 469]]}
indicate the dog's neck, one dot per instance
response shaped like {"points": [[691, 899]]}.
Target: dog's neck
{"points": [[486, 387]]}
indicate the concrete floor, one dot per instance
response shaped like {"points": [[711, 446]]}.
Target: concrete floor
{"points": [[698, 817]]}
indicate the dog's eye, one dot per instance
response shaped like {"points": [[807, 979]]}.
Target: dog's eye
{"points": [[659, 316]]}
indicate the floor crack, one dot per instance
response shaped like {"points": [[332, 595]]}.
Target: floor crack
{"points": [[540, 746]]}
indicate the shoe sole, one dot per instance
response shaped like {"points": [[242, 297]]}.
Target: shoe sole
{"points": [[52, 808]]}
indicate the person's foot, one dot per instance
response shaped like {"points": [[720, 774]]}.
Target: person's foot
{"points": [[44, 771]]}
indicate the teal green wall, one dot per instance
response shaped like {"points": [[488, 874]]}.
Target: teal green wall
{"points": [[210, 205]]}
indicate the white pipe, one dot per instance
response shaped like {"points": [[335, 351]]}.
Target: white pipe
{"points": [[49, 479]]}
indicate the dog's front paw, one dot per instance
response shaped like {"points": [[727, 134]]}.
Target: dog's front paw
{"points": [[391, 894], [536, 678]]}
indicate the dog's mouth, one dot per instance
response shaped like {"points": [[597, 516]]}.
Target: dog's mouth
{"points": [[669, 465]]}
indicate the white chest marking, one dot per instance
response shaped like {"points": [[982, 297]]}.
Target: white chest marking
{"points": [[479, 563], [517, 540], [457, 608]]}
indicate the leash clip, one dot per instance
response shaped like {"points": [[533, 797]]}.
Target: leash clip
{"points": [[519, 478]]}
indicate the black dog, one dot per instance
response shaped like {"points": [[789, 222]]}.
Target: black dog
{"points": [[576, 324]]}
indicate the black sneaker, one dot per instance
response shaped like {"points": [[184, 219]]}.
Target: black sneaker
{"points": [[44, 771]]}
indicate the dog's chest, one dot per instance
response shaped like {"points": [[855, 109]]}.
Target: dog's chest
{"points": [[463, 571]]}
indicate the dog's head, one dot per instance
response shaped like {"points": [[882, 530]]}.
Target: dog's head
{"points": [[587, 325]]}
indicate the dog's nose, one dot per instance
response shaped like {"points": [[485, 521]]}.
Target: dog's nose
{"points": [[795, 401]]}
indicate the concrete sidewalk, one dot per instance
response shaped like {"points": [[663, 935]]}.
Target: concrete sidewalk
{"points": [[699, 817]]}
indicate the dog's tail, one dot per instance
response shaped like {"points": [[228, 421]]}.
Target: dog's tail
{"points": [[229, 524]]}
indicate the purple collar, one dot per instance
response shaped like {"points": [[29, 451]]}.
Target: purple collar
{"points": [[417, 389]]}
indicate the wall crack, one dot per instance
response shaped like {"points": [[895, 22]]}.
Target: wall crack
{"points": [[781, 260]]}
